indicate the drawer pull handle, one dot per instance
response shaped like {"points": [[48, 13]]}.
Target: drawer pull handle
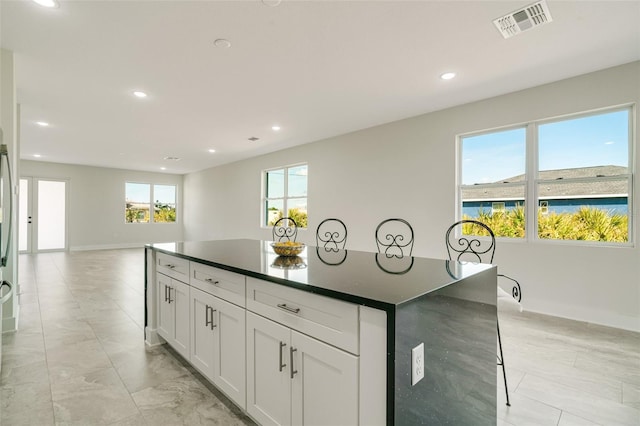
{"points": [[170, 288], [291, 351], [166, 297], [210, 280], [281, 366], [288, 308], [170, 266]]}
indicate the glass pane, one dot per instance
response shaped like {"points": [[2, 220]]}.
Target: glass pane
{"points": [[298, 211], [274, 211], [23, 218], [165, 203], [494, 157], [590, 211], [479, 202], [297, 181], [51, 215], [138, 202], [275, 184], [592, 146]]}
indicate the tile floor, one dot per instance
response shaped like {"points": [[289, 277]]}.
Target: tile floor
{"points": [[79, 358]]}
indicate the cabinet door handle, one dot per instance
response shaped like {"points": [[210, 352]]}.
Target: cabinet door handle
{"points": [[288, 308], [207, 321], [210, 280], [212, 314], [166, 297], [291, 351], [281, 365], [171, 288]]}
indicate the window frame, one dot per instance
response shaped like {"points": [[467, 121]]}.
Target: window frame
{"points": [[285, 197], [532, 179], [152, 203]]}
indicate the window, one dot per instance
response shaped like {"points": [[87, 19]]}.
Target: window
{"points": [[137, 202], [544, 207], [138, 198], [493, 171], [285, 190], [577, 185], [165, 205]]}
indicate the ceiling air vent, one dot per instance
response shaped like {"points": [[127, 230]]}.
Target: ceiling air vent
{"points": [[524, 19]]}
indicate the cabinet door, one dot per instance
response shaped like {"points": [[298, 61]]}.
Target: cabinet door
{"points": [[268, 379], [203, 342], [180, 300], [229, 362], [166, 317], [325, 383]]}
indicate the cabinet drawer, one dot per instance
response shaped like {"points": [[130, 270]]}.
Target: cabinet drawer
{"points": [[173, 266], [330, 320], [218, 282]]}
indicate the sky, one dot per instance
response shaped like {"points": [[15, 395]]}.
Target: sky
{"points": [[140, 192], [595, 140]]}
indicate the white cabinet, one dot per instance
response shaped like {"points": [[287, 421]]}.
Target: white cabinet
{"points": [[218, 344], [286, 356], [293, 379], [268, 377], [173, 313], [326, 377]]}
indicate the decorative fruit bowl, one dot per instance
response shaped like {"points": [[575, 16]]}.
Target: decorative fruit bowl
{"points": [[288, 248]]}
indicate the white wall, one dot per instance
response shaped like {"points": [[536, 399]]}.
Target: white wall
{"points": [[407, 169], [97, 201]]}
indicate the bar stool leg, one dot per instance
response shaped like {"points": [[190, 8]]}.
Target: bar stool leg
{"points": [[501, 363]]}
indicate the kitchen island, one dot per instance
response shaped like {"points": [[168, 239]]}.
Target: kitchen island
{"points": [[328, 337]]}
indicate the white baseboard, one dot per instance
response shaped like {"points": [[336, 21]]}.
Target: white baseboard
{"points": [[152, 338], [107, 247], [9, 324], [593, 316]]}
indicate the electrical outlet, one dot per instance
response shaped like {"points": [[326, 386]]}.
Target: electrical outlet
{"points": [[417, 364]]}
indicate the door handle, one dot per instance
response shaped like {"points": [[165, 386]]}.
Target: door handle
{"points": [[171, 288], [291, 351], [166, 298], [212, 314], [281, 365]]}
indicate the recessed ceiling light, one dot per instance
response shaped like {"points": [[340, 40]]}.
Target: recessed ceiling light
{"points": [[212, 151], [47, 3], [163, 168], [222, 43], [448, 75], [275, 128], [37, 155], [139, 94], [42, 123], [271, 3]]}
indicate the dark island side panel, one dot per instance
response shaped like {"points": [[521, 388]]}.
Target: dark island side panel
{"points": [[457, 325]]}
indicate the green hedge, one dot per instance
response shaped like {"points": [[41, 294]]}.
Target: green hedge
{"points": [[587, 224]]}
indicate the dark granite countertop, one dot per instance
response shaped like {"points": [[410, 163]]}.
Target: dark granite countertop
{"points": [[365, 278]]}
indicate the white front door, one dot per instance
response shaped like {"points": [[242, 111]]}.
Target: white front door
{"points": [[42, 215]]}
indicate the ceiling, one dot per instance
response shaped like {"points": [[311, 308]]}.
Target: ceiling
{"points": [[315, 68]]}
